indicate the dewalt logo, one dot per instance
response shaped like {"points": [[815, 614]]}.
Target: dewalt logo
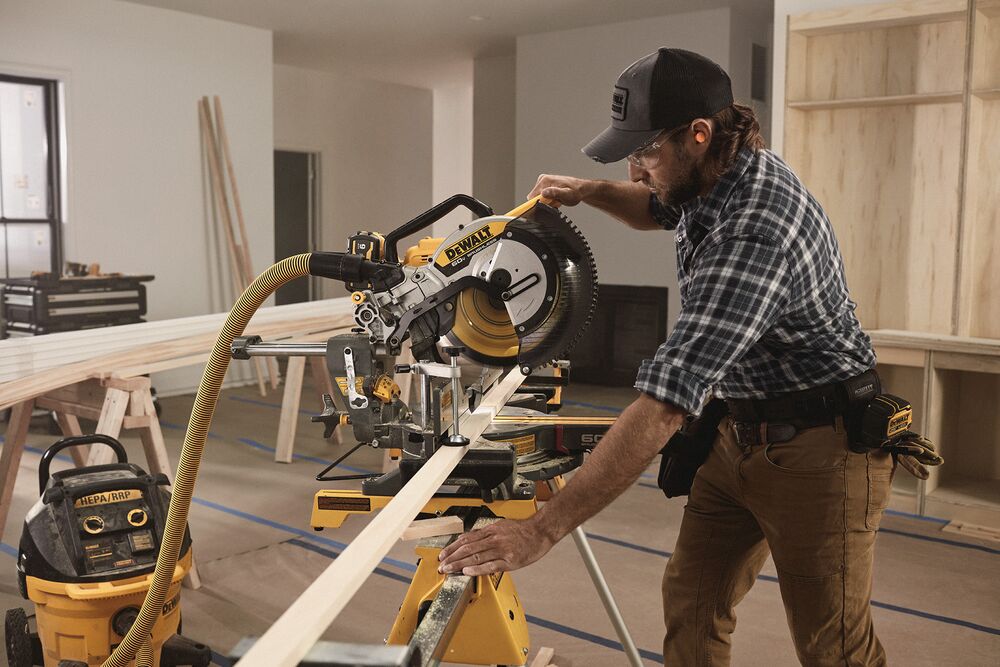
{"points": [[470, 242]]}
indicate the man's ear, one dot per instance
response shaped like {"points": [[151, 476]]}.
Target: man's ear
{"points": [[701, 134]]}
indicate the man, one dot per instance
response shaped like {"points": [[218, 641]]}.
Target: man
{"points": [[766, 323]]}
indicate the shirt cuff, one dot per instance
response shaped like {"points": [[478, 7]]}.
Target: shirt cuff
{"points": [[671, 384]]}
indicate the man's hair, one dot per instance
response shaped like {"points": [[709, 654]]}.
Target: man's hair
{"points": [[734, 128]]}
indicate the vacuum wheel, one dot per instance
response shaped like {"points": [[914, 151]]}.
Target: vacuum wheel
{"points": [[17, 637]]}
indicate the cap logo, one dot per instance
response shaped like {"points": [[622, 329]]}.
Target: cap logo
{"points": [[619, 103]]}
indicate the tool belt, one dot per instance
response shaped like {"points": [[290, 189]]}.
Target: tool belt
{"points": [[779, 419], [758, 421]]}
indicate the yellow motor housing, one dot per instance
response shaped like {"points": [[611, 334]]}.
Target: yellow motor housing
{"points": [[73, 619]]}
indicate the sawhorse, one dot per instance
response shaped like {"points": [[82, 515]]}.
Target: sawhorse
{"points": [[114, 403]]}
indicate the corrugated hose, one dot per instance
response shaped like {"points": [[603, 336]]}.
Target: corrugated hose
{"points": [[136, 641]]}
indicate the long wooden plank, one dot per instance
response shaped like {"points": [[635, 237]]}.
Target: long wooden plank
{"points": [[54, 378], [20, 357], [294, 633]]}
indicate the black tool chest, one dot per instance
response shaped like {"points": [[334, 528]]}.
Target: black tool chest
{"points": [[46, 304]]}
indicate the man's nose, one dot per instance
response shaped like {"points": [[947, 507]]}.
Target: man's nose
{"points": [[635, 174]]}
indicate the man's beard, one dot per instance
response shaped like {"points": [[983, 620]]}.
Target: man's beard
{"points": [[687, 185]]}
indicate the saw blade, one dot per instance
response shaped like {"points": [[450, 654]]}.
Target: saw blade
{"points": [[484, 327], [552, 337]]}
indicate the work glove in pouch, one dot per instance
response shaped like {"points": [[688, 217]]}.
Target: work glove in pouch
{"points": [[914, 453]]}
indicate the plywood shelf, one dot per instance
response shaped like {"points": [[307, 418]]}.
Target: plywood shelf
{"points": [[878, 101], [987, 93], [887, 15], [892, 120]]}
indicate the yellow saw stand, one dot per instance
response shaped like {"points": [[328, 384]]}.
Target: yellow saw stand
{"points": [[457, 618]]}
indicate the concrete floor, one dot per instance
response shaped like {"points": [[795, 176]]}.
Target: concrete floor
{"points": [[936, 596]]}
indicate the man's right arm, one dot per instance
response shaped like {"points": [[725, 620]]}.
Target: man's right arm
{"points": [[623, 200]]}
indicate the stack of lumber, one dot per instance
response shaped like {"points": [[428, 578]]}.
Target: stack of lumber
{"points": [[33, 366]]}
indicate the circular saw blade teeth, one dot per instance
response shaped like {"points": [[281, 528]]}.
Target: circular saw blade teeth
{"points": [[577, 302]]}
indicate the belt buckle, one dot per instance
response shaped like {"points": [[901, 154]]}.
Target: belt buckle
{"points": [[747, 434]]}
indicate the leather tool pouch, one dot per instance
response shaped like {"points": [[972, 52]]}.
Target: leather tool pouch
{"points": [[688, 448]]}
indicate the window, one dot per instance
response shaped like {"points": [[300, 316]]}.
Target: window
{"points": [[30, 202]]}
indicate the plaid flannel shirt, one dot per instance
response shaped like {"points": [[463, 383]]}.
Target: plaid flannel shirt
{"points": [[764, 302]]}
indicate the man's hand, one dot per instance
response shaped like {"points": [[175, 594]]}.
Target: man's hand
{"points": [[500, 547], [566, 190], [624, 200]]}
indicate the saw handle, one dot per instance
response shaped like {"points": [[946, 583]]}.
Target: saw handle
{"points": [[528, 205], [429, 217]]}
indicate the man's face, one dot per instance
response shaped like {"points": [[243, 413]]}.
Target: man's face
{"points": [[671, 170]]}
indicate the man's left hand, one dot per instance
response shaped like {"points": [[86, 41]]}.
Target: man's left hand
{"points": [[500, 547]]}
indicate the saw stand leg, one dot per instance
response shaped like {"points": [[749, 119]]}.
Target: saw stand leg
{"points": [[601, 584]]}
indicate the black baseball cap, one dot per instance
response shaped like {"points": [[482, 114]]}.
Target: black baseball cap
{"points": [[660, 91]]}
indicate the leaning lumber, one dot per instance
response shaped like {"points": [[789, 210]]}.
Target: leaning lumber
{"points": [[302, 624]]}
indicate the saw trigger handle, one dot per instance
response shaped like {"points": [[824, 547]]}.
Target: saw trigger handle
{"points": [[429, 217]]}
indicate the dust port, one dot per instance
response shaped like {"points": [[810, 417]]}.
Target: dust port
{"points": [[138, 517], [93, 524]]}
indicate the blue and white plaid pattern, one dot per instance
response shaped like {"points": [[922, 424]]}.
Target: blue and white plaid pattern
{"points": [[764, 302]]}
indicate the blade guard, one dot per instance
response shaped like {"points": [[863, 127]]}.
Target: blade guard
{"points": [[551, 331]]}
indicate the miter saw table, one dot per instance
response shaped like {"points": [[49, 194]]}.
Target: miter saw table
{"points": [[500, 291]]}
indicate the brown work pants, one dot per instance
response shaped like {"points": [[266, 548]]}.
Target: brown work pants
{"points": [[815, 506]]}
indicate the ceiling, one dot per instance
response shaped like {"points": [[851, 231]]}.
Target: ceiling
{"points": [[424, 43]]}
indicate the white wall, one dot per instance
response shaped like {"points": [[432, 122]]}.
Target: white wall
{"points": [[493, 130], [749, 28], [133, 75], [452, 168], [564, 83], [374, 141]]}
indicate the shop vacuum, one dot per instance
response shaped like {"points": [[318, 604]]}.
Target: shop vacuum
{"points": [[86, 560]]}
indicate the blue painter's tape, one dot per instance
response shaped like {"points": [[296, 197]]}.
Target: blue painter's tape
{"points": [[593, 406], [333, 554], [302, 457], [629, 545], [590, 637], [309, 535], [932, 519], [266, 404], [940, 540]]}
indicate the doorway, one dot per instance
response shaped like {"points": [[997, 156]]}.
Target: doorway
{"points": [[296, 216]]}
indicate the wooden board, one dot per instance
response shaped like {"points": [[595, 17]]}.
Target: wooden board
{"points": [[874, 62], [979, 301], [135, 356], [986, 55], [290, 638], [892, 196], [20, 357], [885, 15], [440, 525]]}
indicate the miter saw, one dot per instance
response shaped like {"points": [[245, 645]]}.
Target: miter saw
{"points": [[501, 291], [517, 289]]}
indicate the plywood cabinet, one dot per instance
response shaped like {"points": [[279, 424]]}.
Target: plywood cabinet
{"points": [[892, 119]]}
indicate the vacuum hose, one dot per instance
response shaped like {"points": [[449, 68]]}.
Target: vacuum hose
{"points": [[337, 266]]}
